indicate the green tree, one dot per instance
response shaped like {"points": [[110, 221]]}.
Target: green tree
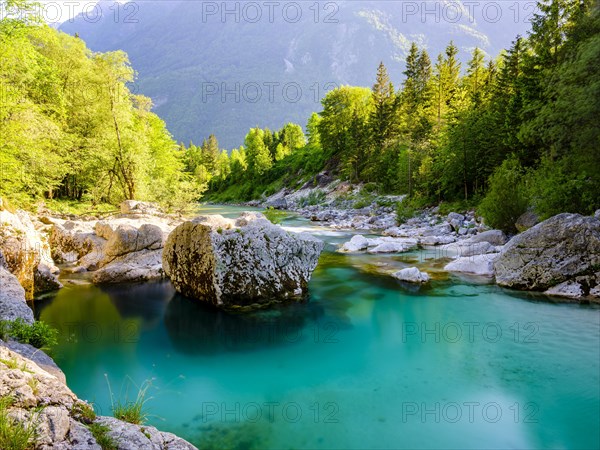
{"points": [[258, 155]]}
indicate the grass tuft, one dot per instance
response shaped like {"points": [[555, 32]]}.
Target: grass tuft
{"points": [[100, 433], [15, 435], [132, 411]]}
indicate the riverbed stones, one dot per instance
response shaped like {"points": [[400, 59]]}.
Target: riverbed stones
{"points": [[116, 250], [355, 244], [244, 262], [563, 248], [134, 207]]}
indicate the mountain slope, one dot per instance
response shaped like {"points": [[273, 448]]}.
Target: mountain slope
{"points": [[212, 73]]}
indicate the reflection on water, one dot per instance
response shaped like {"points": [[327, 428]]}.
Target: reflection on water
{"points": [[366, 363], [195, 328]]}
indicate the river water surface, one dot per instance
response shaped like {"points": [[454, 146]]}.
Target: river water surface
{"points": [[366, 363]]}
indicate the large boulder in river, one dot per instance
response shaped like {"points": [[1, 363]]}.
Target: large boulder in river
{"points": [[243, 262], [564, 248]]}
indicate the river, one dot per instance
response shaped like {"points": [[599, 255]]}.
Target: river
{"points": [[365, 363]]}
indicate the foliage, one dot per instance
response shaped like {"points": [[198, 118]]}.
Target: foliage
{"points": [[71, 129], [38, 334], [313, 198], [79, 207], [83, 412], [452, 135], [556, 187], [404, 211], [506, 199], [15, 434], [274, 216]]}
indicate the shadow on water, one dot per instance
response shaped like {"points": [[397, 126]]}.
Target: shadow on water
{"points": [[146, 301], [195, 328]]}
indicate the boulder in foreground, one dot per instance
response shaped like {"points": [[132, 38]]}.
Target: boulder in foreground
{"points": [[244, 262]]}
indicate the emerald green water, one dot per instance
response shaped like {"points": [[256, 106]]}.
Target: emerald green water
{"points": [[366, 363]]}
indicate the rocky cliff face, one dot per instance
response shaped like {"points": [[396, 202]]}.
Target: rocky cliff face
{"points": [[244, 262], [27, 253]]}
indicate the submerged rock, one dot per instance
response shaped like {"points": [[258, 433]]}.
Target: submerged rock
{"points": [[411, 275], [563, 248], [244, 262]]}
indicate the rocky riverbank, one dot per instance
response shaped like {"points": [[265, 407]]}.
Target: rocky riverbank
{"points": [[559, 257], [36, 399]]}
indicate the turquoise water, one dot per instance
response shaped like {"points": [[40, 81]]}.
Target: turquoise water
{"points": [[366, 363]]}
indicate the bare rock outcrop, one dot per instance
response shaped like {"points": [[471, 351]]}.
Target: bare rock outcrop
{"points": [[243, 262]]}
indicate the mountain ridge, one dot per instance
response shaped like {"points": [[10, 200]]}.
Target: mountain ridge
{"points": [[219, 72]]}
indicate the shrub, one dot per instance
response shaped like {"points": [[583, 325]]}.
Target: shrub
{"points": [[100, 433], [274, 215], [557, 187], [83, 412], [404, 211], [38, 334], [506, 198]]}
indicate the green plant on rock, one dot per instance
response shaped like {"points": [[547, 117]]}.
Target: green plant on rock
{"points": [[131, 411], [83, 412], [274, 216], [15, 434], [38, 334], [506, 199], [313, 198], [404, 211], [100, 433]]}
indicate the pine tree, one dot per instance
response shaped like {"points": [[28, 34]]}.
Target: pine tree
{"points": [[383, 118], [476, 75]]}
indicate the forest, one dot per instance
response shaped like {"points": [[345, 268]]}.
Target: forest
{"points": [[70, 128], [504, 135]]}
